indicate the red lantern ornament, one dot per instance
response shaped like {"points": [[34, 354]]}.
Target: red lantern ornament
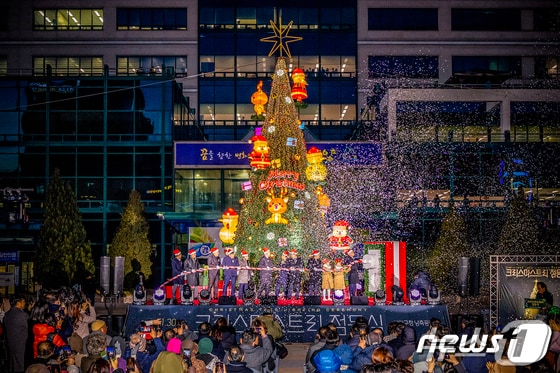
{"points": [[299, 89]]}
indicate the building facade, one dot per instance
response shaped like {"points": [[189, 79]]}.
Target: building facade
{"points": [[458, 93]]}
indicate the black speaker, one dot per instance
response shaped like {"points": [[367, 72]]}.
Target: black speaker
{"points": [[312, 300], [462, 276], [475, 277], [225, 300], [269, 300], [361, 300]]}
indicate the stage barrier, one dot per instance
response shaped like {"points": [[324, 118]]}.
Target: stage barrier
{"points": [[300, 323]]}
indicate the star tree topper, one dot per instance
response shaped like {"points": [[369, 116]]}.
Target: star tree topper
{"points": [[281, 38]]}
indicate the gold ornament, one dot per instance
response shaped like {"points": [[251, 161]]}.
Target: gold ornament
{"points": [[281, 38]]}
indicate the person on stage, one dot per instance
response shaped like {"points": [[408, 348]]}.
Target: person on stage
{"points": [[543, 293], [282, 279], [338, 275], [192, 266], [230, 274], [244, 274], [294, 277], [354, 269], [327, 281], [176, 270], [314, 268], [266, 274], [213, 272]]}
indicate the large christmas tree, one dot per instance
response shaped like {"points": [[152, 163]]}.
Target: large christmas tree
{"points": [[281, 209]]}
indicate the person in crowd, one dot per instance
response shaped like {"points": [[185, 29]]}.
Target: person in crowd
{"points": [[235, 361], [15, 324], [364, 350], [320, 341], [244, 274], [205, 346], [104, 366], [266, 275], [80, 315], [354, 271], [295, 263], [85, 280], [332, 340], [314, 269], [327, 361], [192, 266], [224, 333], [394, 337], [97, 327], [47, 358], [204, 330], [46, 330], [408, 344], [273, 327], [176, 271], [282, 279], [213, 272], [190, 351], [138, 351], [257, 348], [168, 362], [231, 264], [174, 345], [96, 345]]}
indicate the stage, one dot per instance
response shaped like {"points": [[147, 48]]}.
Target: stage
{"points": [[299, 322]]}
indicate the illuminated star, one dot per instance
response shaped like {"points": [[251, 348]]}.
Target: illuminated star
{"points": [[281, 39]]}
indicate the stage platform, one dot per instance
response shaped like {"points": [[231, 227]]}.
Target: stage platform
{"points": [[300, 322]]}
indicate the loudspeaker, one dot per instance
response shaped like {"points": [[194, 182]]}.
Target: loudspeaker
{"points": [[119, 276], [105, 275], [225, 300], [312, 300], [462, 275], [361, 300], [269, 300], [475, 277]]}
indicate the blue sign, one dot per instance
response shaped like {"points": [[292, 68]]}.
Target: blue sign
{"points": [[300, 323], [235, 154], [9, 256]]}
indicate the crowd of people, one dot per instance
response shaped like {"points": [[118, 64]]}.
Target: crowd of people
{"points": [[58, 334]]}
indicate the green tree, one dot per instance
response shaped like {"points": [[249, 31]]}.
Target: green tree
{"points": [[449, 247], [302, 226], [520, 232], [62, 236], [131, 239]]}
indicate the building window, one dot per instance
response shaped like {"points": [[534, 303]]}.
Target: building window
{"points": [[68, 66], [3, 66], [67, 19], [152, 19], [502, 64], [403, 66], [486, 19], [152, 65], [546, 19], [416, 19]]}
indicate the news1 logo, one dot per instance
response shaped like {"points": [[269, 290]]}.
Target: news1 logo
{"points": [[528, 343]]}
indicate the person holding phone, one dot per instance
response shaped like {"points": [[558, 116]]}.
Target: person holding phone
{"points": [[257, 346]]}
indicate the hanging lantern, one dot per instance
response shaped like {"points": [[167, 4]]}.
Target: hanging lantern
{"points": [[259, 99], [230, 219], [258, 158], [316, 170], [299, 88]]}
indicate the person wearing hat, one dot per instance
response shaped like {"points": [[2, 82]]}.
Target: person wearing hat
{"points": [[354, 270], [213, 272], [176, 271], [282, 279], [244, 274], [231, 263], [97, 327], [294, 277], [327, 361], [190, 351], [314, 268], [266, 274], [192, 266]]}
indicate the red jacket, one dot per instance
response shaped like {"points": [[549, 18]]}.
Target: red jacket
{"points": [[41, 333]]}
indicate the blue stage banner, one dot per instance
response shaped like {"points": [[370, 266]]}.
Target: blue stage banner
{"points": [[300, 323], [234, 154]]}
